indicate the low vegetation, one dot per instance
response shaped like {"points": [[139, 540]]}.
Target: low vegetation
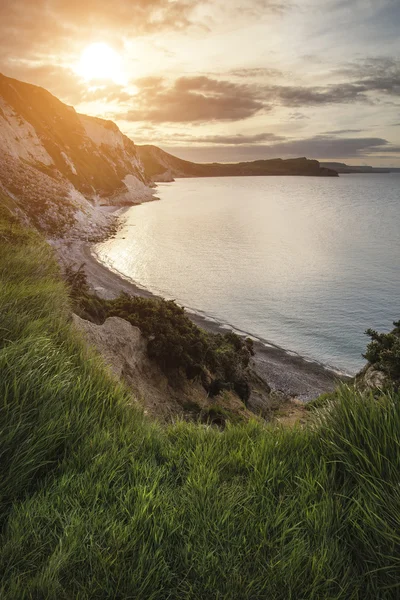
{"points": [[97, 502], [383, 351], [174, 341]]}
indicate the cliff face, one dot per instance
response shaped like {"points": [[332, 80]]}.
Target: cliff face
{"points": [[161, 166], [124, 350], [57, 164]]}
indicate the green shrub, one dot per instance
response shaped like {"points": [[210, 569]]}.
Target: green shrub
{"points": [[174, 341], [384, 351]]}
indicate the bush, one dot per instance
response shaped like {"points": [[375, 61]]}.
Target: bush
{"points": [[175, 343], [384, 351]]}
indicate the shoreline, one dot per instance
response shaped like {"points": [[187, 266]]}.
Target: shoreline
{"points": [[284, 370]]}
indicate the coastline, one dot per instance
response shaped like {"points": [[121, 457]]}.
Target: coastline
{"points": [[283, 370]]}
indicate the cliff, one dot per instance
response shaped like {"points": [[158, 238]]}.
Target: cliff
{"points": [[161, 166], [57, 164]]}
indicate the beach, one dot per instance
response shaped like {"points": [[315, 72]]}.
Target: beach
{"points": [[282, 369]]}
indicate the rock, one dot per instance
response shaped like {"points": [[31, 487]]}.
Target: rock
{"points": [[124, 351], [371, 378], [121, 344], [60, 166]]}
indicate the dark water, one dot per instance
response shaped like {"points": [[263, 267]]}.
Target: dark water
{"points": [[303, 262]]}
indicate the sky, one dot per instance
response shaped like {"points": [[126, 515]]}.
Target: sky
{"points": [[221, 80]]}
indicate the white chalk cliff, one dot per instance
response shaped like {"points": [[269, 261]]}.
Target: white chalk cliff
{"points": [[56, 165]]}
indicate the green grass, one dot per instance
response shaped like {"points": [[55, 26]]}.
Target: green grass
{"points": [[96, 502]]}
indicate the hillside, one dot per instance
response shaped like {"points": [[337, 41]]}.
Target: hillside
{"points": [[57, 164], [161, 166], [99, 502]]}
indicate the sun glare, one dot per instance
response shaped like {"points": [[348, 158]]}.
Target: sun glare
{"points": [[100, 62]]}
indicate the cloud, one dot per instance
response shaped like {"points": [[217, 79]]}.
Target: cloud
{"points": [[44, 27], [386, 150], [343, 131], [193, 99], [236, 140], [69, 15], [258, 7], [205, 99], [63, 82], [42, 31], [320, 147], [371, 77], [325, 146], [379, 74], [297, 116], [257, 72], [298, 96]]}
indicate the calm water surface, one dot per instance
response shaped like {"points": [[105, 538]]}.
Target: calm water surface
{"points": [[305, 263]]}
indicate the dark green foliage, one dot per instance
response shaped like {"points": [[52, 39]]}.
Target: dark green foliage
{"points": [[384, 351], [87, 305], [174, 341]]}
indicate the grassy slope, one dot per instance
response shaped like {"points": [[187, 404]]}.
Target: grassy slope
{"points": [[97, 502]]}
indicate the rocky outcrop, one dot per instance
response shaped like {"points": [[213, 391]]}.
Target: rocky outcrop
{"points": [[161, 166], [124, 350], [370, 379], [58, 165]]}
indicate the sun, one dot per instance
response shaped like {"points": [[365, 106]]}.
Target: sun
{"points": [[100, 62]]}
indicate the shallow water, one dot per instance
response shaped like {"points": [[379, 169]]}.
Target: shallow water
{"points": [[306, 263]]}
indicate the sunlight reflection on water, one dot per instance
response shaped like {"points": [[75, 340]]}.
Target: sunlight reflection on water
{"points": [[306, 263]]}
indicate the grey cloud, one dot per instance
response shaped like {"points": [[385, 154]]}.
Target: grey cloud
{"points": [[374, 75], [318, 147], [325, 146], [372, 66], [385, 150], [343, 131], [381, 74], [297, 116], [194, 99], [297, 96], [236, 140], [203, 98]]}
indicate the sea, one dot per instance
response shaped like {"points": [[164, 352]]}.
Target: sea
{"points": [[304, 263]]}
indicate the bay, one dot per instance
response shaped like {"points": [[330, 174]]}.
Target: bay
{"points": [[301, 262]]}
